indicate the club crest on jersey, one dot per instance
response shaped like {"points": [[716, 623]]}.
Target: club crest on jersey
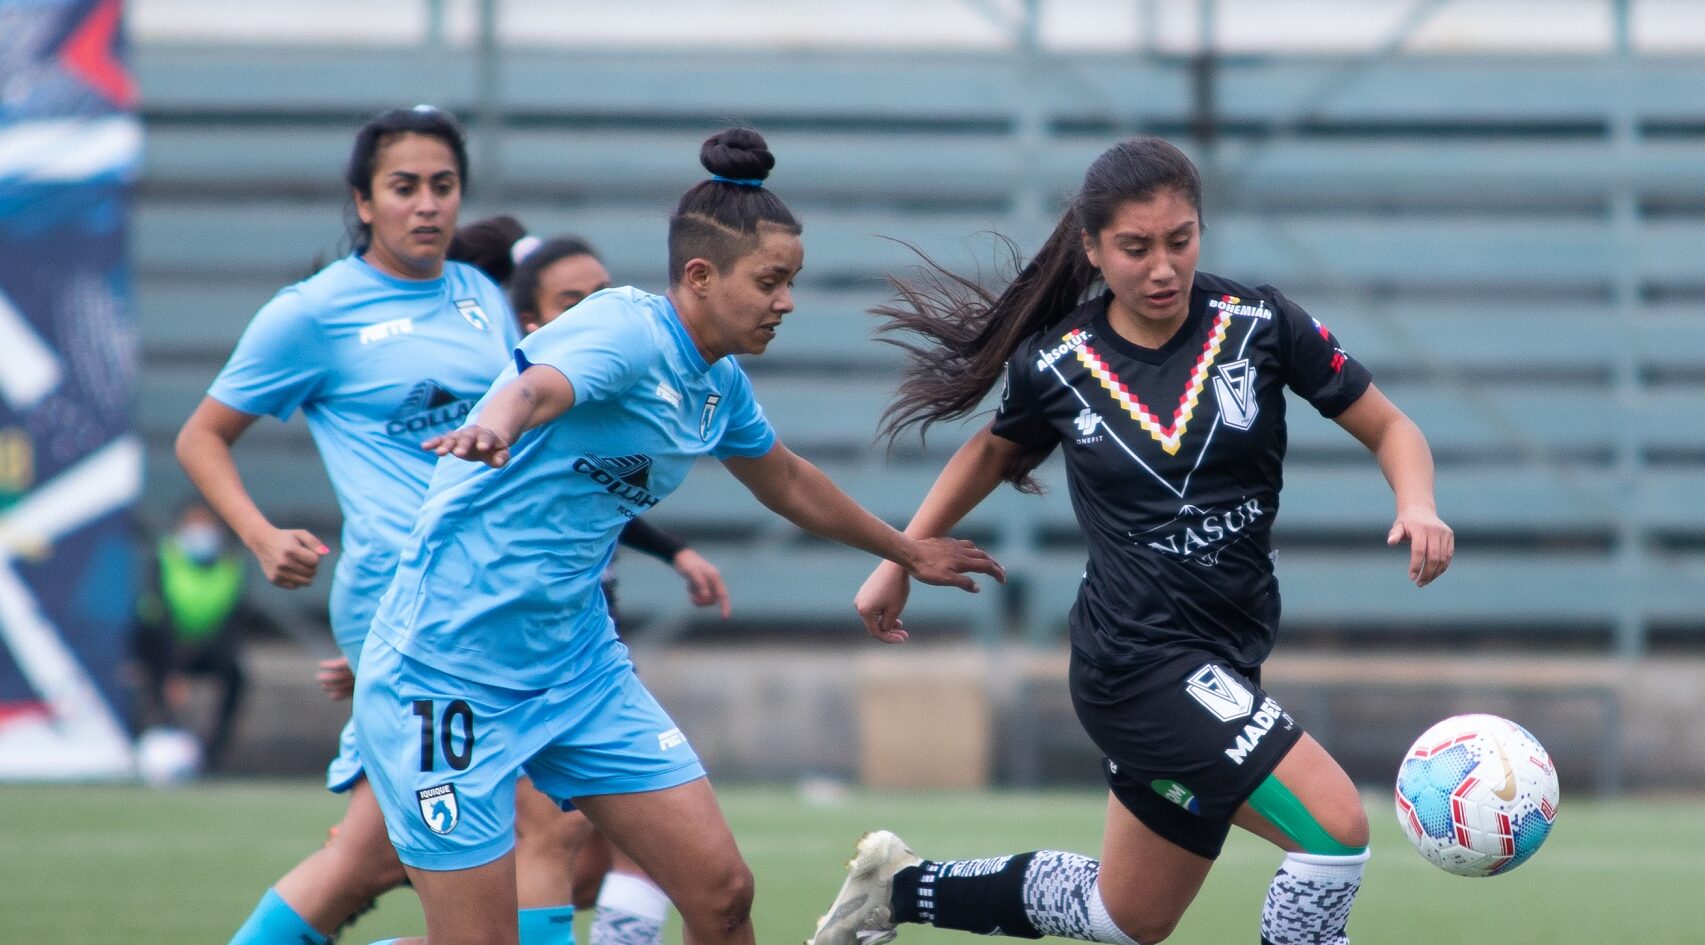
{"points": [[708, 414], [475, 316], [1218, 691], [438, 807], [1234, 386]]}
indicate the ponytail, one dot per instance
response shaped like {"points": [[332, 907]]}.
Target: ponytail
{"points": [[959, 335]]}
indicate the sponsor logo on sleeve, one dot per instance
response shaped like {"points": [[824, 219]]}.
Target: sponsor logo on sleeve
{"points": [[671, 739]]}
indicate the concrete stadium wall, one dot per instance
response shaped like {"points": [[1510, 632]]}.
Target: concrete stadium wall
{"points": [[923, 717]]}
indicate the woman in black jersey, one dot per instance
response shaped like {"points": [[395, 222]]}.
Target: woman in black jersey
{"points": [[1165, 391]]}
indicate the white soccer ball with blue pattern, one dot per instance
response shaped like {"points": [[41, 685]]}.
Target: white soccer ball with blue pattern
{"points": [[1477, 795]]}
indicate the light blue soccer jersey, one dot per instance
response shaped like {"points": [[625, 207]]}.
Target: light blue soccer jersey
{"points": [[376, 364], [498, 582]]}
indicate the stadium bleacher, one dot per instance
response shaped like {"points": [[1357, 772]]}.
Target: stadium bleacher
{"points": [[1510, 243]]}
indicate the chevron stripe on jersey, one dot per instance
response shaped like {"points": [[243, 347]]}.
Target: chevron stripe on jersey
{"points": [[1169, 437]]}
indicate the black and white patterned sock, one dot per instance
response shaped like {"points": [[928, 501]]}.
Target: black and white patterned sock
{"points": [[1062, 897], [1309, 901], [631, 910], [1023, 896]]}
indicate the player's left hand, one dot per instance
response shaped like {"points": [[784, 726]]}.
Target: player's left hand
{"points": [[947, 562], [704, 581], [475, 444], [1431, 543], [336, 679]]}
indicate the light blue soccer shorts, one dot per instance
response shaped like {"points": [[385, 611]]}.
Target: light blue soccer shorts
{"points": [[443, 752]]}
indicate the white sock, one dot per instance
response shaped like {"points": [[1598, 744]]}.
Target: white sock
{"points": [[1062, 897], [1309, 901], [630, 911]]}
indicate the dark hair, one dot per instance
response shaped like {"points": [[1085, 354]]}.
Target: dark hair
{"points": [[381, 130], [964, 333], [489, 246], [524, 284], [718, 220]]}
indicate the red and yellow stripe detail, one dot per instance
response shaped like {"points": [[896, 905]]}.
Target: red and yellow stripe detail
{"points": [[1169, 437]]}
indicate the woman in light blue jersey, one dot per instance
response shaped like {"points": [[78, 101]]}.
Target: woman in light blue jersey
{"points": [[493, 654], [379, 350], [544, 279]]}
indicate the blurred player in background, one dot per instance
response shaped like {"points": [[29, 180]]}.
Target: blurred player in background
{"points": [[493, 653], [1178, 607], [544, 280], [379, 350]]}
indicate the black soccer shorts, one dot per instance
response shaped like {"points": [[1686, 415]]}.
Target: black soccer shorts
{"points": [[1187, 738]]}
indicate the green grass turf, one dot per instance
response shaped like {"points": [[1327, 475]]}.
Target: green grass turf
{"points": [[84, 865]]}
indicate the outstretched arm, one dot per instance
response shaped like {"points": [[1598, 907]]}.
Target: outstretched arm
{"points": [[802, 494], [705, 587], [539, 395], [1407, 463], [288, 557], [967, 479]]}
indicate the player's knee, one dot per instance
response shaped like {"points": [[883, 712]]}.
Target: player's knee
{"points": [[367, 866], [1347, 823], [1145, 926], [1149, 931], [725, 895], [559, 836]]}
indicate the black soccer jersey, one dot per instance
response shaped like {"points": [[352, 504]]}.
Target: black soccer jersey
{"points": [[1173, 459]]}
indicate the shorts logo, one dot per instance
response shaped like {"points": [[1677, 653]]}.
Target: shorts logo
{"points": [[1219, 692], [1177, 794], [476, 316], [438, 807], [1234, 387], [1269, 715], [671, 739]]}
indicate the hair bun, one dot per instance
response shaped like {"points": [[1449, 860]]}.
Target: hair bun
{"points": [[737, 152]]}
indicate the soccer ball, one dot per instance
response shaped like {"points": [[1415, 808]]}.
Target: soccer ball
{"points": [[166, 757], [1476, 795]]}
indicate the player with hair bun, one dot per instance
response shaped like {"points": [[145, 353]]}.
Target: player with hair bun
{"points": [[1178, 607], [493, 653], [544, 279]]}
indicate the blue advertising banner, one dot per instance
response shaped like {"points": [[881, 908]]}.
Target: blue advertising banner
{"points": [[70, 465]]}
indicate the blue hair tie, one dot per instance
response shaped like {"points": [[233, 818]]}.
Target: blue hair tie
{"points": [[739, 181]]}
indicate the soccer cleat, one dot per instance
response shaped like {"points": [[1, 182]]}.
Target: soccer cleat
{"points": [[861, 914]]}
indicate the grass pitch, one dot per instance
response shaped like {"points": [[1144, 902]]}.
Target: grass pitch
{"points": [[84, 865]]}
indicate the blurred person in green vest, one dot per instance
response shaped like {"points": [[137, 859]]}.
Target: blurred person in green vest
{"points": [[191, 620]]}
